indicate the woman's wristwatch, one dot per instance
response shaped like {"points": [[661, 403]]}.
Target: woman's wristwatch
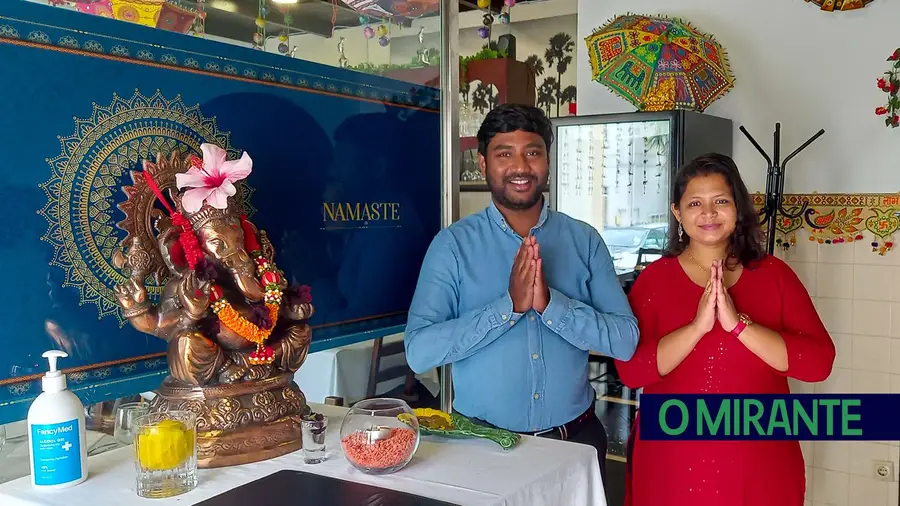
{"points": [[743, 322]]}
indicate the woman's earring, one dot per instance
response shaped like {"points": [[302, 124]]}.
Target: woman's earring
{"points": [[680, 232]]}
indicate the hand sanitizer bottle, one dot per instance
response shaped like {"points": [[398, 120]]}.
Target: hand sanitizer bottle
{"points": [[56, 432]]}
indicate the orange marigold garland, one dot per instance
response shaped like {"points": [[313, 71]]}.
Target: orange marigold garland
{"points": [[228, 316]]}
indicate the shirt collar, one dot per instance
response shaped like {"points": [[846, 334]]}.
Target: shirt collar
{"points": [[498, 218]]}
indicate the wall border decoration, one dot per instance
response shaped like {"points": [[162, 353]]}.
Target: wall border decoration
{"points": [[837, 218]]}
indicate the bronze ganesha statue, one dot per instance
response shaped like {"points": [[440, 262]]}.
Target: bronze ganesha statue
{"points": [[235, 332]]}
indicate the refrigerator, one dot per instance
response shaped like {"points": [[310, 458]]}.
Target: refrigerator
{"points": [[614, 172]]}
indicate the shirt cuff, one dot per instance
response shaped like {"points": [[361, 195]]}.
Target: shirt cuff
{"points": [[557, 311], [502, 311]]}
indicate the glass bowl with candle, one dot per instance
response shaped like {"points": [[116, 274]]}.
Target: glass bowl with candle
{"points": [[380, 436]]}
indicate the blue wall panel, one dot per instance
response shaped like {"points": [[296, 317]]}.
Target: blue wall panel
{"points": [[84, 99]]}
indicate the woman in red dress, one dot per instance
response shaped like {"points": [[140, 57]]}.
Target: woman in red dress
{"points": [[719, 315]]}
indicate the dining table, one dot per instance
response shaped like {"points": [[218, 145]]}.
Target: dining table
{"points": [[459, 471], [343, 372]]}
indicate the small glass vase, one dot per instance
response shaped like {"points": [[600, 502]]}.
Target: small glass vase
{"points": [[380, 436]]}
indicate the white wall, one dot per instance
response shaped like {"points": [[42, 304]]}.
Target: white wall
{"points": [[806, 68]]}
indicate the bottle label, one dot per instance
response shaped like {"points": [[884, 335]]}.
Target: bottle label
{"points": [[56, 450]]}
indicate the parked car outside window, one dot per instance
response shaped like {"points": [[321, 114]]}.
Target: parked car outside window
{"points": [[624, 243]]}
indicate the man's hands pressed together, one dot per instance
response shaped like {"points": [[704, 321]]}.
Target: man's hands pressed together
{"points": [[521, 279], [541, 290], [527, 287]]}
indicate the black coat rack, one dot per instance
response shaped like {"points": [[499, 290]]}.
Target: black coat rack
{"points": [[775, 184]]}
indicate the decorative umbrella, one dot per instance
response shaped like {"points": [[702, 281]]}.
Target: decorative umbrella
{"points": [[161, 14], [659, 63], [95, 7], [840, 5]]}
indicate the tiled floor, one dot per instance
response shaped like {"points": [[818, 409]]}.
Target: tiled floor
{"points": [[617, 416], [616, 407], [615, 482]]}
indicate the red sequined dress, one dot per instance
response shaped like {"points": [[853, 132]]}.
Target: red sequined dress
{"points": [[721, 473]]}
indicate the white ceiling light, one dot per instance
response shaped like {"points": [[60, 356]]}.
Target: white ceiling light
{"points": [[284, 2]]}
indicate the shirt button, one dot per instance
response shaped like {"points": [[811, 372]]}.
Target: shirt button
{"points": [[512, 322], [549, 322], [534, 356], [537, 396], [505, 317], [531, 317]]}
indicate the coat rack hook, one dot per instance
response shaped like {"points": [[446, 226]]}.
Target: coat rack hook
{"points": [[774, 202]]}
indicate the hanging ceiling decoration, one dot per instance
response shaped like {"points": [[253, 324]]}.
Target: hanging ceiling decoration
{"points": [[403, 9], [840, 5]]}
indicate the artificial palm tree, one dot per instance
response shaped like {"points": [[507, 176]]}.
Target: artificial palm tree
{"points": [[559, 56]]}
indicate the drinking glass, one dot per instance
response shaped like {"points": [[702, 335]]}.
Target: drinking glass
{"points": [[313, 431], [126, 417], [165, 451]]}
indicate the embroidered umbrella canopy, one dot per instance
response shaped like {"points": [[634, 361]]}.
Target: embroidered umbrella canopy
{"points": [[840, 5], [163, 14], [658, 63]]}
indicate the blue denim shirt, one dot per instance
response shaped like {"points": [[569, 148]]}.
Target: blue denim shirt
{"points": [[523, 372]]}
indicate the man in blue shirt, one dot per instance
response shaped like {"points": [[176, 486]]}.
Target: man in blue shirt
{"points": [[516, 296]]}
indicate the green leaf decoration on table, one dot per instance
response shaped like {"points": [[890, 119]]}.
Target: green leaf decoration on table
{"points": [[463, 428]]}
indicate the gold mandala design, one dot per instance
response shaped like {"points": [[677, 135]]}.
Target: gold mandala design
{"points": [[86, 183]]}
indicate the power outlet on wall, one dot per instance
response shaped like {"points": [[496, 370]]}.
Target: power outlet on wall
{"points": [[883, 470]]}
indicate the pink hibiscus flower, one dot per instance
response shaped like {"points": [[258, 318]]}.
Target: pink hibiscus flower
{"points": [[212, 182]]}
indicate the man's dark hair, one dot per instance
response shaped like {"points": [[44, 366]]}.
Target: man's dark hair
{"points": [[745, 244], [507, 118]]}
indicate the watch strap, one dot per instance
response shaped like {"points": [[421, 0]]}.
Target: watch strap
{"points": [[741, 325]]}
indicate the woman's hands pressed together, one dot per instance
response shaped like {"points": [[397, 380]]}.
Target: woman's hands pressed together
{"points": [[715, 303], [706, 310], [725, 311]]}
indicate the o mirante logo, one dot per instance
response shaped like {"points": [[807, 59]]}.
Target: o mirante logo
{"points": [[868, 417]]}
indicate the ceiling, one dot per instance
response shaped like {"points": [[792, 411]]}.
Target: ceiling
{"points": [[235, 19]]}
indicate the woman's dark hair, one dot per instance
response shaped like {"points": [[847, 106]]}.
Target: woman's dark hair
{"points": [[507, 118], [746, 245]]}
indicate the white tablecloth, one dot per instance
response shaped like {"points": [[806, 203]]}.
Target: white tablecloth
{"points": [[344, 372], [460, 471]]}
